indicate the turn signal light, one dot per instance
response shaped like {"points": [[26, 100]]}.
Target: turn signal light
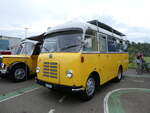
{"points": [[82, 59]]}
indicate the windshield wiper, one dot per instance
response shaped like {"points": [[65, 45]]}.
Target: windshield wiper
{"points": [[70, 46], [46, 49], [52, 50]]}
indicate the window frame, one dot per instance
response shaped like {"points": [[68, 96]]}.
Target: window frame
{"points": [[100, 35], [94, 37]]}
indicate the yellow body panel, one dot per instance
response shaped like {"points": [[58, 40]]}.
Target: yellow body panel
{"points": [[105, 64], [29, 60]]}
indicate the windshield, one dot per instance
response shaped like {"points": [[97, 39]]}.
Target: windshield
{"points": [[25, 48], [62, 42]]}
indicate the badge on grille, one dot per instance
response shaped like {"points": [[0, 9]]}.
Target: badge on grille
{"points": [[50, 56]]}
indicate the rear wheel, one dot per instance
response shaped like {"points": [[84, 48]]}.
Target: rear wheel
{"points": [[18, 73], [89, 91], [119, 75]]}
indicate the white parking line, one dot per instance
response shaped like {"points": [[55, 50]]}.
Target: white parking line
{"points": [[51, 111], [141, 81], [3, 98], [62, 99], [106, 100], [106, 109]]}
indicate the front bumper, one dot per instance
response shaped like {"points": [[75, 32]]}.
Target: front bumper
{"points": [[57, 86], [3, 71]]}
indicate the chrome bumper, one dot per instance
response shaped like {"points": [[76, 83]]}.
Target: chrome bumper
{"points": [[78, 89], [3, 71], [68, 88]]}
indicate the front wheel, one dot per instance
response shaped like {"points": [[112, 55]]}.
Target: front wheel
{"points": [[18, 73], [89, 91]]}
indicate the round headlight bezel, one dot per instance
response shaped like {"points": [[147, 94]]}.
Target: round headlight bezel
{"points": [[2, 65], [69, 74]]}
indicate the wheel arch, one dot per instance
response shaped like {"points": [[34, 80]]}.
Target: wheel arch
{"points": [[96, 77], [16, 64], [121, 67]]}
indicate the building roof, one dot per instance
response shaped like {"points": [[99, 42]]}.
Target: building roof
{"points": [[2, 36]]}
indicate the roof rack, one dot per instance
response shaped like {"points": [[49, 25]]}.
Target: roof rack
{"points": [[106, 27]]}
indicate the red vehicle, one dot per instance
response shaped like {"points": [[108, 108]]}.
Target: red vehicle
{"points": [[5, 52], [4, 47]]}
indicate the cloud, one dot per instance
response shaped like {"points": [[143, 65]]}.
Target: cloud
{"points": [[129, 16]]}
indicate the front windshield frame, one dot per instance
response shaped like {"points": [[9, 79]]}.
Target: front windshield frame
{"points": [[57, 37], [25, 48]]}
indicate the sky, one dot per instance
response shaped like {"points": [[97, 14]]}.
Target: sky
{"points": [[131, 17]]}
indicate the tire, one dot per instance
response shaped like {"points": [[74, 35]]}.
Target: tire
{"points": [[18, 73], [89, 91], [119, 75]]}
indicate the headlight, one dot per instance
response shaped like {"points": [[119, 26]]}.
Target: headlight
{"points": [[2, 66], [69, 73], [37, 69]]}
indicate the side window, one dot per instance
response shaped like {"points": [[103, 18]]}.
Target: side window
{"points": [[90, 42], [119, 46], [122, 46], [102, 43], [112, 44], [125, 46]]}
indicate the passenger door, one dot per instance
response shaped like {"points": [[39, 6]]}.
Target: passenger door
{"points": [[104, 57]]}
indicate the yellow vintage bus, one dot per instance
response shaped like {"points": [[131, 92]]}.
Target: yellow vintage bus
{"points": [[23, 63], [81, 56]]}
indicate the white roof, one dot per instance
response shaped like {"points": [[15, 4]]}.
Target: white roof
{"points": [[68, 25], [84, 26]]}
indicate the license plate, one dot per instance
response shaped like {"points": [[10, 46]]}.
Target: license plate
{"points": [[48, 85]]}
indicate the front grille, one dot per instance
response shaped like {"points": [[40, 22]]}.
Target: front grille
{"points": [[50, 69]]}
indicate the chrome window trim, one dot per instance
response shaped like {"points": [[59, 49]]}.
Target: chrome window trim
{"points": [[96, 52]]}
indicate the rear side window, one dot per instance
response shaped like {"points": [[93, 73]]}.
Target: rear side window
{"points": [[112, 44], [102, 43]]}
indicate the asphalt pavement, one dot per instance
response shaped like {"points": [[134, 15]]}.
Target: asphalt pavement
{"points": [[131, 95]]}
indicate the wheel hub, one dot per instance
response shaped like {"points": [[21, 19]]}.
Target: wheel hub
{"points": [[90, 87], [20, 73]]}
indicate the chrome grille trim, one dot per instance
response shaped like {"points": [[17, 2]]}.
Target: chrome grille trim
{"points": [[46, 66], [54, 70], [50, 69], [50, 76], [50, 73], [53, 66], [51, 63]]}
